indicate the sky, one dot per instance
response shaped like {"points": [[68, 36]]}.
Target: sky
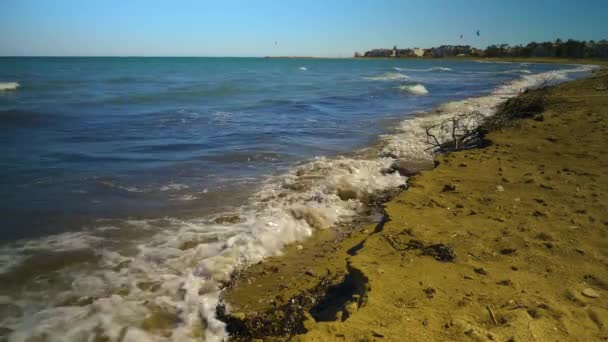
{"points": [[325, 28]]}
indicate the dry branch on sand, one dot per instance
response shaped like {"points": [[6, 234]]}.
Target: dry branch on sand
{"points": [[465, 131], [456, 133]]}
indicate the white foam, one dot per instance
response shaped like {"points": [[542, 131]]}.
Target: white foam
{"points": [[9, 86], [303, 68], [414, 89], [389, 76], [424, 70], [189, 259], [173, 187]]}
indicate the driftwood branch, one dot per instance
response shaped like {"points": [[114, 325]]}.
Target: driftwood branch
{"points": [[465, 131], [456, 133]]}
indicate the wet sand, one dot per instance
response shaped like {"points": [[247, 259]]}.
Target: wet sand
{"points": [[503, 243]]}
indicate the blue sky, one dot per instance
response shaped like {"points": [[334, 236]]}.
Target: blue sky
{"points": [[330, 28]]}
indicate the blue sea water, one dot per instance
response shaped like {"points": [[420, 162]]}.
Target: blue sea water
{"points": [[86, 138], [115, 172]]}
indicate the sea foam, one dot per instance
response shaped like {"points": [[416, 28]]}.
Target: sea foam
{"points": [[188, 260], [9, 86], [389, 76], [414, 89], [424, 70]]}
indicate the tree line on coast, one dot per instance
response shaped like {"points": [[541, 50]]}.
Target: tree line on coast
{"points": [[570, 48]]}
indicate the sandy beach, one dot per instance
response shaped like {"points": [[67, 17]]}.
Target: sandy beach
{"points": [[502, 243]]}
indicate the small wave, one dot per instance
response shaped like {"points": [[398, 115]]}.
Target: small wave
{"points": [[185, 198], [173, 187], [414, 89], [303, 68], [510, 71], [424, 70], [9, 86], [389, 76]]}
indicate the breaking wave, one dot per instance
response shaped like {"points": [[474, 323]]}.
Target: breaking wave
{"points": [[9, 86], [389, 76], [168, 277], [424, 70], [173, 186], [414, 89]]}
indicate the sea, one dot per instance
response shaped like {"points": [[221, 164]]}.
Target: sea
{"points": [[132, 188]]}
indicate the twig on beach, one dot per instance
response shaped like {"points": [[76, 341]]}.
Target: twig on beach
{"points": [[456, 133], [492, 314], [474, 256]]}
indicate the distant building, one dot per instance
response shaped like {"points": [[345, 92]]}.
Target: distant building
{"points": [[449, 51], [418, 52]]}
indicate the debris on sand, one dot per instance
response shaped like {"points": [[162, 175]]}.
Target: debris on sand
{"points": [[591, 293], [439, 251]]}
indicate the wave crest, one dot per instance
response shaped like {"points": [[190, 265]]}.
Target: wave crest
{"points": [[389, 76], [424, 70]]}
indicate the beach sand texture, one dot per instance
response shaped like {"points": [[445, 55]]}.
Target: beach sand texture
{"points": [[503, 243]]}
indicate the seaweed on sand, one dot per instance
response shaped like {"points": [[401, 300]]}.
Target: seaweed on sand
{"points": [[327, 301]]}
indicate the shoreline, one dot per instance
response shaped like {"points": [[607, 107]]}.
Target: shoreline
{"points": [[361, 271]]}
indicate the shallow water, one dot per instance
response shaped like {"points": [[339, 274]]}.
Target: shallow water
{"points": [[132, 186]]}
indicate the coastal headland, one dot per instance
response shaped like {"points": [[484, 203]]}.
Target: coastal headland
{"points": [[505, 242]]}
